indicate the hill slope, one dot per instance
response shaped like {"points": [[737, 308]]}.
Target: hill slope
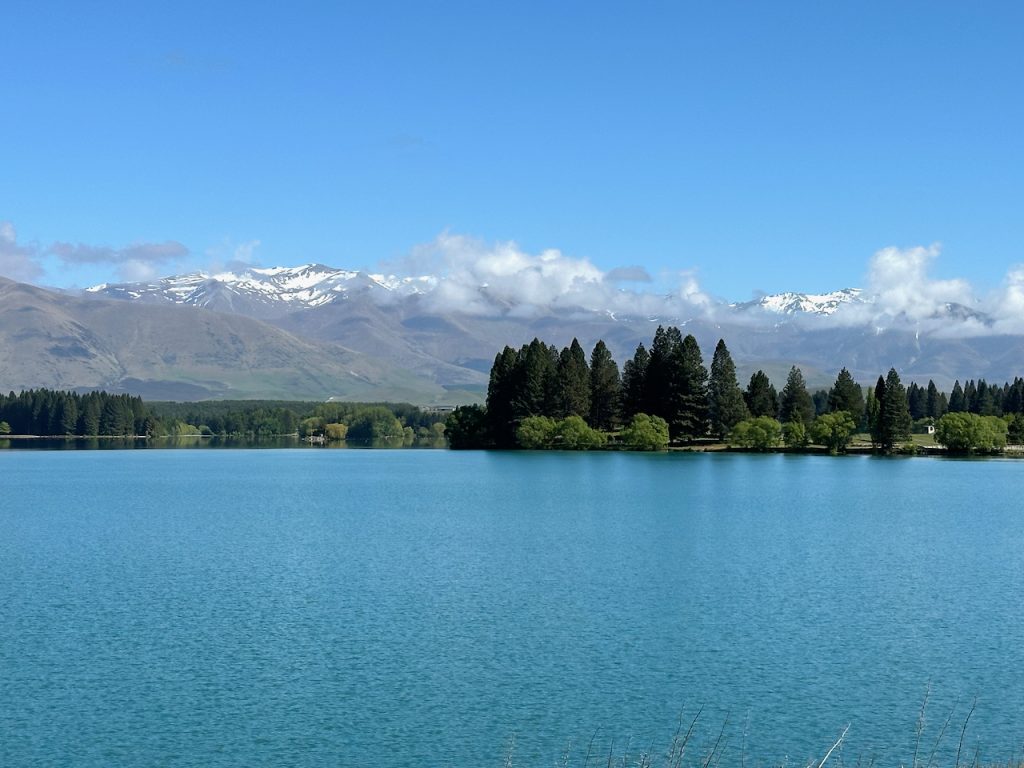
{"points": [[173, 352]]}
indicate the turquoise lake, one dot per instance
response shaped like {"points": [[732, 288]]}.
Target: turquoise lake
{"points": [[429, 608]]}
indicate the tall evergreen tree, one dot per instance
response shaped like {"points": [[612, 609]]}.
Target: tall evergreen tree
{"points": [[605, 388], [89, 421], [501, 398], [820, 400], [870, 416], [795, 402], [894, 412], [761, 397], [67, 419], [917, 401], [690, 391], [846, 395], [875, 412], [970, 397], [932, 401], [116, 418], [660, 384], [634, 383], [533, 376], [985, 402], [574, 379], [725, 400], [1013, 400], [552, 386], [957, 403]]}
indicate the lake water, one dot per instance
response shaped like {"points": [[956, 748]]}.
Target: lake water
{"points": [[428, 608]]}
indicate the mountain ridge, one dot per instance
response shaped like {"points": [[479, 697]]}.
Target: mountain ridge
{"points": [[54, 340], [409, 339], [314, 285]]}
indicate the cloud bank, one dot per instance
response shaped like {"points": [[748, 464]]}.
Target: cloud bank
{"points": [[472, 276], [899, 290], [137, 262], [484, 278], [901, 293]]}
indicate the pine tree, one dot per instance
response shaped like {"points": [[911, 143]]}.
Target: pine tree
{"points": [[985, 400], [761, 397], [533, 374], [574, 380], [917, 401], [795, 402], [725, 400], [659, 381], [501, 398], [67, 420], [846, 395], [116, 417], [552, 387], [820, 401], [871, 410], [894, 412], [1013, 401], [89, 421], [634, 383], [970, 397], [605, 388], [956, 399], [932, 403], [690, 391]]}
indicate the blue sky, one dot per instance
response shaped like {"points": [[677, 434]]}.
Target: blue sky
{"points": [[752, 146]]}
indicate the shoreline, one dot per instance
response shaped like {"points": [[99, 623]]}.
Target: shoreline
{"points": [[909, 450]]}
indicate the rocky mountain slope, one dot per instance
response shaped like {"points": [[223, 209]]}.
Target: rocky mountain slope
{"points": [[316, 332], [178, 352], [401, 321]]}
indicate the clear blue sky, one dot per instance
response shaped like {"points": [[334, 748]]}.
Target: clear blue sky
{"points": [[767, 146]]}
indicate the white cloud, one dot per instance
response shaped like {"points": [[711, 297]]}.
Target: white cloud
{"points": [[485, 278], [18, 262], [228, 256], [134, 271], [1008, 302], [899, 282], [245, 252]]}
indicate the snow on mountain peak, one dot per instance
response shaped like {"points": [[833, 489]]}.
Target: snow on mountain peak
{"points": [[790, 303], [307, 285], [314, 285]]}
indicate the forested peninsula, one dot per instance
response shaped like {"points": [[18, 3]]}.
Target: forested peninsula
{"points": [[53, 413], [541, 397]]}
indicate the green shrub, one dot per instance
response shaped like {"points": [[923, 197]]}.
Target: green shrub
{"points": [[645, 433], [761, 433]]}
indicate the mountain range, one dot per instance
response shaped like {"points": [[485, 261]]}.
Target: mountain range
{"points": [[319, 332]]}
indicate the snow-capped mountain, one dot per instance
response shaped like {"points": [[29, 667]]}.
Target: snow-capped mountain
{"points": [[790, 303], [315, 285], [427, 336], [306, 286]]}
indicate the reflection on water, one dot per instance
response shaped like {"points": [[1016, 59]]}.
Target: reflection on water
{"points": [[201, 441], [330, 607]]}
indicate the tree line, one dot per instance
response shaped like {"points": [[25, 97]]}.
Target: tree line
{"points": [[540, 396], [49, 412], [52, 412]]}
